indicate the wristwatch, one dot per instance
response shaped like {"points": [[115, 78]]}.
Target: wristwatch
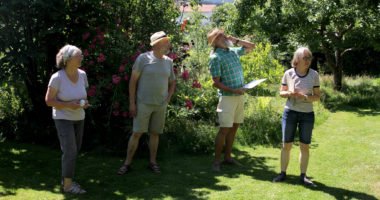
{"points": [[305, 97], [237, 41]]}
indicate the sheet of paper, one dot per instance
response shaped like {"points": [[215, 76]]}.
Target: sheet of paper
{"points": [[254, 83]]}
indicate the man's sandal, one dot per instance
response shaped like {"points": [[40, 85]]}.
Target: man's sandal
{"points": [[154, 168], [123, 169]]}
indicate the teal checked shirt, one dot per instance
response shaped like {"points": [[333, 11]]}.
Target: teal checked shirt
{"points": [[225, 63]]}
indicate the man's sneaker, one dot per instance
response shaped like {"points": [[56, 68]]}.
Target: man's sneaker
{"points": [[307, 182], [215, 167], [231, 161], [281, 177]]}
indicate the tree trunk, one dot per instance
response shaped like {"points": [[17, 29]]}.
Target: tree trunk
{"points": [[335, 64], [338, 71]]}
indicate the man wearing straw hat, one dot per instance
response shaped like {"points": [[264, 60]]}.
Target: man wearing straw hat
{"points": [[151, 86], [227, 74]]}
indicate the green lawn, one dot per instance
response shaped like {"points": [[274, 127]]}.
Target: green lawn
{"points": [[345, 164]]}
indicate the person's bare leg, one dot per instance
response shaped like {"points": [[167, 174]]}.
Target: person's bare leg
{"points": [[285, 156], [67, 183], [219, 142], [230, 138], [132, 146], [153, 146], [304, 162], [304, 157]]}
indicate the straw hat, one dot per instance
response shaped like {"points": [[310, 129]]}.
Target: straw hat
{"points": [[156, 37], [212, 35]]}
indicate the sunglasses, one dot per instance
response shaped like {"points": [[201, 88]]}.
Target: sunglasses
{"points": [[307, 58]]}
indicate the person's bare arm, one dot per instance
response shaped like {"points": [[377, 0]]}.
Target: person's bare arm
{"points": [[51, 100], [248, 46], [132, 92], [172, 85]]}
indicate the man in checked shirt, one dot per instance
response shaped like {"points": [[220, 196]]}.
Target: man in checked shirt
{"points": [[227, 74]]}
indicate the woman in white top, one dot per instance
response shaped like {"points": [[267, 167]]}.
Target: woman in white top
{"points": [[300, 85], [67, 96]]}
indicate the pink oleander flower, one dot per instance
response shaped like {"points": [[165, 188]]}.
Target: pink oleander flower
{"points": [[92, 46], [125, 114], [134, 57], [85, 53], [85, 36], [116, 113], [101, 58], [188, 104], [91, 62], [122, 68], [175, 70], [100, 36], [116, 105], [116, 79], [109, 86], [185, 75], [92, 91], [126, 77], [196, 84], [172, 55]]}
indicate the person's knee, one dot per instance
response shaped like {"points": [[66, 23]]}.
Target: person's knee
{"points": [[287, 146], [224, 131], [304, 147], [136, 136], [154, 135]]}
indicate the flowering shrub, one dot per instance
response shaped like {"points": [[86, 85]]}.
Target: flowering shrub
{"points": [[110, 51]]}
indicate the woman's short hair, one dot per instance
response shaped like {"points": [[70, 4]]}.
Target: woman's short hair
{"points": [[64, 54], [298, 54]]}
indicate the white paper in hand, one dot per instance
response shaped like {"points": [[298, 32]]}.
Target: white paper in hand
{"points": [[254, 83]]}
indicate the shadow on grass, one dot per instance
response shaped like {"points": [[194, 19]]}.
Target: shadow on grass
{"points": [[361, 112], [183, 176], [260, 171]]}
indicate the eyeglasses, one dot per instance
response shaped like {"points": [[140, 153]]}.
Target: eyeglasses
{"points": [[307, 58], [78, 56]]}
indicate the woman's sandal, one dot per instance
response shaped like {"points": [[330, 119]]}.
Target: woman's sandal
{"points": [[75, 189], [123, 169], [154, 168]]}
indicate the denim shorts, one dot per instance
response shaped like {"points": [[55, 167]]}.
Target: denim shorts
{"points": [[291, 120]]}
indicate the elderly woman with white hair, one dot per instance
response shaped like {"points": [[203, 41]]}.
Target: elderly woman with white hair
{"points": [[300, 85], [67, 96]]}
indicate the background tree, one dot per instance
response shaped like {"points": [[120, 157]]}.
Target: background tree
{"points": [[331, 27]]}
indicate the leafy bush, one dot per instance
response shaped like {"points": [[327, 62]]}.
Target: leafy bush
{"points": [[191, 136], [359, 91], [262, 123], [11, 108], [111, 35], [260, 63]]}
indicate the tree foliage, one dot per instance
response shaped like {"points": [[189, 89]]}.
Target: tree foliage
{"points": [[332, 27]]}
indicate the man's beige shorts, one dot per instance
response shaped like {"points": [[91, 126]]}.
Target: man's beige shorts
{"points": [[230, 110], [149, 118]]}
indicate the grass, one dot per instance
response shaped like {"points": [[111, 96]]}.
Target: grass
{"points": [[344, 164], [357, 91]]}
